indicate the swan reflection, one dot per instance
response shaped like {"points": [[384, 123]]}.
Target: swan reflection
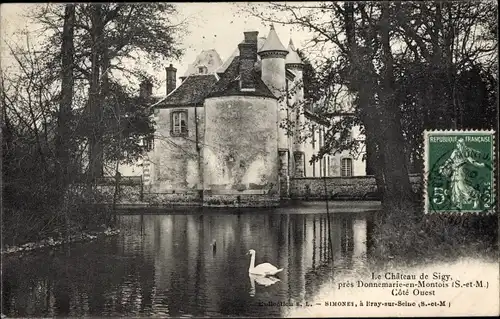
{"points": [[261, 280]]}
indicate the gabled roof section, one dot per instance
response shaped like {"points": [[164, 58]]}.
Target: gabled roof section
{"points": [[228, 62], [208, 58], [273, 42], [192, 91], [229, 85]]}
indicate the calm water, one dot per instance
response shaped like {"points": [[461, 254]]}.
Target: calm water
{"points": [[164, 265]]}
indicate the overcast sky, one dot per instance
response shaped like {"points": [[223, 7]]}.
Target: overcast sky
{"points": [[212, 26]]}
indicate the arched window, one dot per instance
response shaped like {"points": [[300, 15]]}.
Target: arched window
{"points": [[346, 167]]}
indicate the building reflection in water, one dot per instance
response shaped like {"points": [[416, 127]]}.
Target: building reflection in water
{"points": [[165, 265]]}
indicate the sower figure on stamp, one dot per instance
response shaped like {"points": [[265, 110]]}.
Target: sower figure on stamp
{"points": [[462, 192]]}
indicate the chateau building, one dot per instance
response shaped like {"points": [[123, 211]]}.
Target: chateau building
{"points": [[225, 130]]}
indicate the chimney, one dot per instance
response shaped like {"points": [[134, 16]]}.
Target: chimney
{"points": [[248, 57], [171, 78], [251, 36], [145, 89]]}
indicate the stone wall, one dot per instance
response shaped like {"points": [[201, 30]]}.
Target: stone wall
{"points": [[173, 198], [306, 188], [131, 195], [242, 200], [127, 194], [356, 188]]}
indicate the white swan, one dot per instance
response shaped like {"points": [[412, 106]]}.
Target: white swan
{"points": [[265, 269]]}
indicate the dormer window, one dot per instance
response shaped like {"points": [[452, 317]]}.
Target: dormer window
{"points": [[202, 70]]}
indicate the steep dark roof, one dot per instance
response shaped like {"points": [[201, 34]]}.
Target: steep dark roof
{"points": [[192, 91], [229, 84]]}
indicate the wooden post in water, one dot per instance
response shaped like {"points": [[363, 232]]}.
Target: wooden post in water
{"points": [[142, 189], [67, 220], [330, 244], [142, 224]]}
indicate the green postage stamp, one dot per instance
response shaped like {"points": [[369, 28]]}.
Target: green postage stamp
{"points": [[459, 168]]}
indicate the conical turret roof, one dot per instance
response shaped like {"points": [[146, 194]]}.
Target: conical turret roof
{"points": [[273, 42], [292, 56]]}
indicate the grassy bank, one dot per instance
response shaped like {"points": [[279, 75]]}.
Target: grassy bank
{"points": [[50, 242], [26, 229], [401, 236]]}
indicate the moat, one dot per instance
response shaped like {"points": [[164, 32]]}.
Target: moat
{"points": [[186, 264]]}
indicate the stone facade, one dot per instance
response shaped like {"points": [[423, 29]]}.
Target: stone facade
{"points": [[221, 137], [176, 156]]}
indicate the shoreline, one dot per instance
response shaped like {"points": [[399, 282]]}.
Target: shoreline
{"points": [[297, 206], [50, 242]]}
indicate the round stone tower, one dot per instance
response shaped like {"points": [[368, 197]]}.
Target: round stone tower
{"points": [[240, 139], [294, 63], [273, 54]]}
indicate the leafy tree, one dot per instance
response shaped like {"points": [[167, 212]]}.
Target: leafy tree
{"points": [[72, 94], [106, 36], [312, 88]]}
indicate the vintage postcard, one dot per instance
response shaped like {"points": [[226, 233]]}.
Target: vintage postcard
{"points": [[253, 159]]}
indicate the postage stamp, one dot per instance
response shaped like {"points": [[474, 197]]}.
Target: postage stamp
{"points": [[459, 166]]}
